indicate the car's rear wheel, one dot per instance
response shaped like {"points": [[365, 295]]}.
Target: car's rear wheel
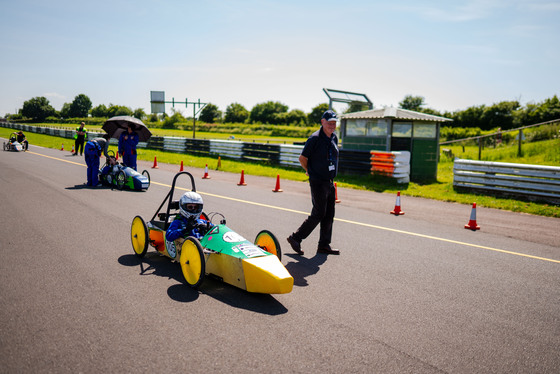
{"points": [[267, 241], [139, 236], [192, 262], [120, 180]]}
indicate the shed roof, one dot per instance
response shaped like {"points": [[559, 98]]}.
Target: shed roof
{"points": [[395, 113]]}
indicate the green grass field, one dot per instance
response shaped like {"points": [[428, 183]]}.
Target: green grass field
{"points": [[542, 153]]}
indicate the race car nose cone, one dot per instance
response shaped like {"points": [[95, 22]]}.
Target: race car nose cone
{"points": [[266, 274]]}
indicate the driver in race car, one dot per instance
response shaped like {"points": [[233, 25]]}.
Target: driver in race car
{"points": [[189, 223]]}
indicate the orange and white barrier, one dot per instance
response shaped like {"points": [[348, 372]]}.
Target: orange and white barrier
{"points": [[391, 164]]}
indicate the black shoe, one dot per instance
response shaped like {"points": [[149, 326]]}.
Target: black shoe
{"points": [[296, 246], [328, 250]]}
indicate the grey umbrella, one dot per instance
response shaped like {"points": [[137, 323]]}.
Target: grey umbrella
{"points": [[115, 126]]}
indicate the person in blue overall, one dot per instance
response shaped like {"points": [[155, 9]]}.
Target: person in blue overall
{"points": [[188, 223], [92, 152], [127, 147], [319, 159]]}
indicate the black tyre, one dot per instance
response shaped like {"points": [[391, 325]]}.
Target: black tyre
{"points": [[147, 175]]}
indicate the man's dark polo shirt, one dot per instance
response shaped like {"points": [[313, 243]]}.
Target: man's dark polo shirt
{"points": [[321, 152]]}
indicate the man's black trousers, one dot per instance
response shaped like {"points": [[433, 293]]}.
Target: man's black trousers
{"points": [[323, 200]]}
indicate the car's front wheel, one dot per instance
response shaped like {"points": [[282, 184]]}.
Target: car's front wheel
{"points": [[192, 262]]}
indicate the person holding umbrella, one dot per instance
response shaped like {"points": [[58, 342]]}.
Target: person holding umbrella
{"points": [[127, 146]]}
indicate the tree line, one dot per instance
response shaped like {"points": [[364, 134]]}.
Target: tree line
{"points": [[505, 115]]}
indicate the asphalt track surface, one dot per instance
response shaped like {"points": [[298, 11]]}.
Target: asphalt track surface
{"points": [[416, 293]]}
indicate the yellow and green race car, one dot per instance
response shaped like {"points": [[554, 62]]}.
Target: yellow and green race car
{"points": [[222, 253]]}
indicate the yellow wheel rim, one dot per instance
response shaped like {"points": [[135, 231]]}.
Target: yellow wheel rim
{"points": [[138, 235], [266, 242], [191, 262]]}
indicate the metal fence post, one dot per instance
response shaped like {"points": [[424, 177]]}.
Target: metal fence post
{"points": [[519, 144], [479, 149]]}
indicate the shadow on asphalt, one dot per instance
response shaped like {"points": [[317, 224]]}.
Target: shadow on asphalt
{"points": [[303, 267], [154, 264], [82, 186]]}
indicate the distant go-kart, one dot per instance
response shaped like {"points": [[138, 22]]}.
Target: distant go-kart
{"points": [[222, 253], [121, 176], [13, 145]]}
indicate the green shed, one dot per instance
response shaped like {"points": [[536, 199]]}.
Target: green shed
{"points": [[395, 129]]}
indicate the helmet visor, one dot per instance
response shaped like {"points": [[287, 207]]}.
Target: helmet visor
{"points": [[192, 207]]}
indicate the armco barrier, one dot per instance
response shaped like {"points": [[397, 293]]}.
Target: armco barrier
{"points": [[289, 155], [530, 181], [156, 142], [200, 147], [174, 144], [226, 148], [391, 164], [269, 153]]}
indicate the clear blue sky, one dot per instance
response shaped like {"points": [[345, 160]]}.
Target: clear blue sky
{"points": [[456, 54]]}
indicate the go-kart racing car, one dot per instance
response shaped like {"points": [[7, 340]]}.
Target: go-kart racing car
{"points": [[122, 176], [222, 253], [12, 144]]}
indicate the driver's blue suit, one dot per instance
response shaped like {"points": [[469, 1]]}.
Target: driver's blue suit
{"points": [[181, 227]]}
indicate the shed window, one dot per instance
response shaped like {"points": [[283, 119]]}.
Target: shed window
{"points": [[366, 127], [425, 130], [377, 128], [356, 127], [402, 129]]}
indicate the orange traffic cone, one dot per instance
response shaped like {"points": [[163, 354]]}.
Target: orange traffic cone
{"points": [[181, 169], [336, 195], [62, 148], [155, 163], [277, 189], [242, 180], [206, 176], [72, 149], [472, 222], [219, 163], [397, 211]]}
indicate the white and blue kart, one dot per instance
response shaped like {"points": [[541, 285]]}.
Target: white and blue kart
{"points": [[122, 176]]}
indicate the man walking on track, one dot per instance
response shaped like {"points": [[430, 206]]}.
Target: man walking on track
{"points": [[319, 159]]}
